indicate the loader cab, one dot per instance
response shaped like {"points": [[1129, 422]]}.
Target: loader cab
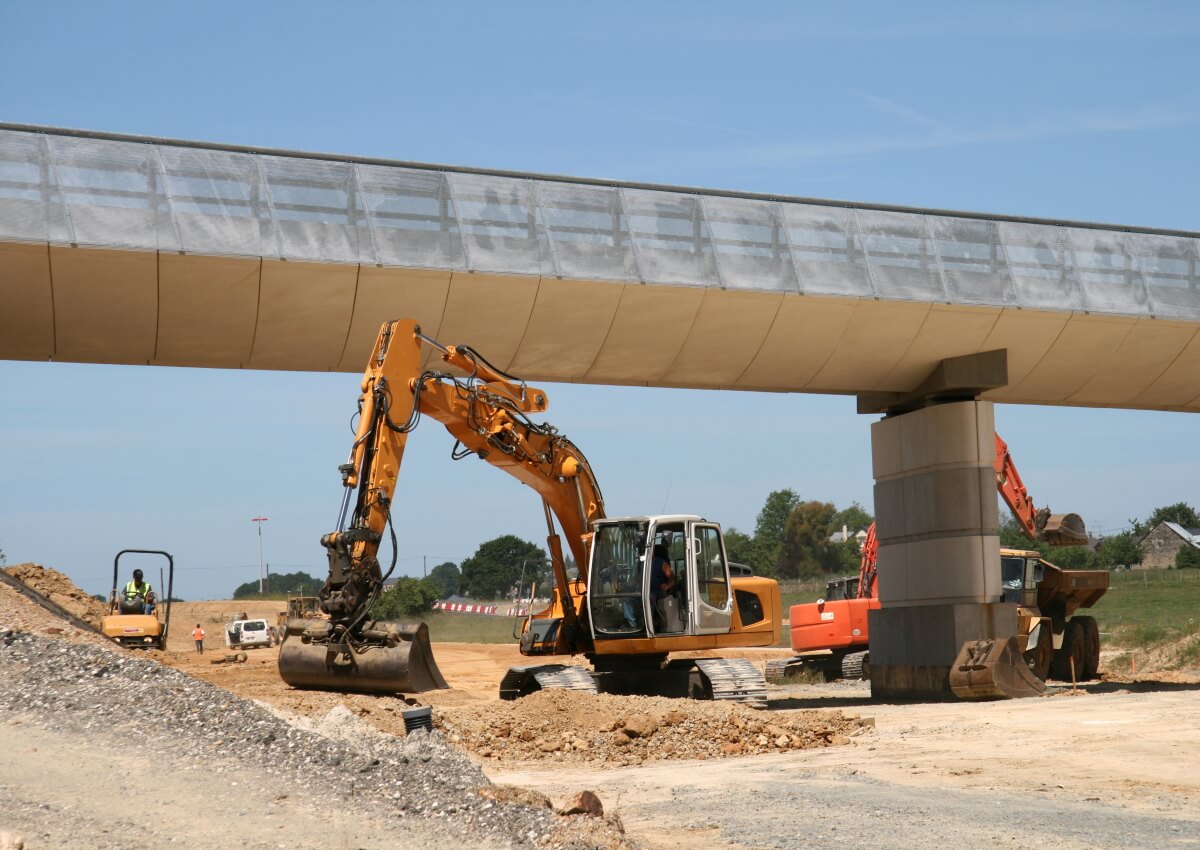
{"points": [[1020, 573], [622, 601]]}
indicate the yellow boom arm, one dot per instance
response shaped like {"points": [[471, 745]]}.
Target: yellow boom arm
{"points": [[487, 413]]}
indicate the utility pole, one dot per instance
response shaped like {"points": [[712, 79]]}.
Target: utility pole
{"points": [[259, 520], [424, 571]]}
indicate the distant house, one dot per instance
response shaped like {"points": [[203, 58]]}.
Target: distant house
{"points": [[1160, 544], [846, 534]]}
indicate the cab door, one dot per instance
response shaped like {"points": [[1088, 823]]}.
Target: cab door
{"points": [[712, 610]]}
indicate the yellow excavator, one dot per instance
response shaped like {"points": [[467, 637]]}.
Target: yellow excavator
{"points": [[617, 611]]}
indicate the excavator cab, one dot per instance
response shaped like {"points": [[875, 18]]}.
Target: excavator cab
{"points": [[623, 601]]}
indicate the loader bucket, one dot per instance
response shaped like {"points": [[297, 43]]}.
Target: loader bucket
{"points": [[407, 666], [1065, 530], [993, 669]]}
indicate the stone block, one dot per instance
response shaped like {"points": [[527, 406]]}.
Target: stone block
{"points": [[939, 501], [945, 434], [912, 649], [886, 455], [940, 570]]}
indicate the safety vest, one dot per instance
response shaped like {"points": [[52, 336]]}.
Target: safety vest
{"points": [[132, 589], [198, 634]]}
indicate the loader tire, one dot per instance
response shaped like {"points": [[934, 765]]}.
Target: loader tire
{"points": [[1041, 657], [1074, 649], [1091, 661]]}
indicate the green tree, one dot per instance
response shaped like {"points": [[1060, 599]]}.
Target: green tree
{"points": [[1072, 557], [769, 530], [847, 557], [1119, 550], [279, 584], [408, 597], [807, 550], [446, 577], [1012, 536], [740, 548], [853, 517], [495, 568], [1187, 558], [1181, 513]]}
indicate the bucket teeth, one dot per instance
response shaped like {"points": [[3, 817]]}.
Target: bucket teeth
{"points": [[397, 658], [993, 669]]}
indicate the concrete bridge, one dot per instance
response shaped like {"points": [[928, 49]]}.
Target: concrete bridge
{"points": [[128, 250], [117, 249]]}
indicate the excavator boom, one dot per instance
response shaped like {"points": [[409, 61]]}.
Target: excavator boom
{"points": [[1055, 529], [486, 411]]}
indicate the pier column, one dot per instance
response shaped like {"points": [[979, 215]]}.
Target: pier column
{"points": [[937, 523]]}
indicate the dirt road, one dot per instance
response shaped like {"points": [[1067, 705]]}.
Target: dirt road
{"points": [[1113, 765]]}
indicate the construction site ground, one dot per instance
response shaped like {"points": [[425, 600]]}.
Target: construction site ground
{"points": [[1111, 764]]}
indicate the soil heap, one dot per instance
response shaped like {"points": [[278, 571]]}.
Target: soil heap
{"points": [[60, 590], [605, 729]]}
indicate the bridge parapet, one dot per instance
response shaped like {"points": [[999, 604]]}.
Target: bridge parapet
{"points": [[68, 188]]}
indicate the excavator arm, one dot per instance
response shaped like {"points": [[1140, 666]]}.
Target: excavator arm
{"points": [[1038, 524], [487, 412]]}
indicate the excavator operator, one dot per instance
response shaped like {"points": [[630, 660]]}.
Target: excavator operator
{"points": [[138, 590], [662, 577]]}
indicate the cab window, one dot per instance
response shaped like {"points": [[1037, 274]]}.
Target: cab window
{"points": [[711, 576], [616, 599]]}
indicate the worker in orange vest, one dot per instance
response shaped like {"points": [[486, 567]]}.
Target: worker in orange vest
{"points": [[198, 634]]}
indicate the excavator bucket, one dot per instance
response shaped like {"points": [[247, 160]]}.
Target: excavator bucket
{"points": [[398, 660], [993, 669], [1065, 530]]}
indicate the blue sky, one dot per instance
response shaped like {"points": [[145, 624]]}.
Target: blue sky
{"points": [[1081, 111]]}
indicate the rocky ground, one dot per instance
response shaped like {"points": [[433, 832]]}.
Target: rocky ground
{"points": [[569, 727], [1108, 765], [62, 685]]}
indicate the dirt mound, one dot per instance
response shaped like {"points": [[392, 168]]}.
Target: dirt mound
{"points": [[1180, 656], [61, 590], [22, 614], [605, 729]]}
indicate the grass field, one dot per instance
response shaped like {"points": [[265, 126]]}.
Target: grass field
{"points": [[1149, 609], [469, 628], [796, 592]]}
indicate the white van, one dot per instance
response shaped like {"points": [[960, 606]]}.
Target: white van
{"points": [[247, 634]]}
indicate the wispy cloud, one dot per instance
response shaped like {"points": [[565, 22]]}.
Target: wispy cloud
{"points": [[599, 105], [898, 110]]}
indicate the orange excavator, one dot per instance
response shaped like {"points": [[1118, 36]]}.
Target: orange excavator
{"points": [[646, 586], [833, 631]]}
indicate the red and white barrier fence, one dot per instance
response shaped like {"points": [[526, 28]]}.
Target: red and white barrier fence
{"points": [[463, 608]]}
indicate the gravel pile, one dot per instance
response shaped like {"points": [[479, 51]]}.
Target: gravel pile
{"points": [[112, 695], [610, 730]]}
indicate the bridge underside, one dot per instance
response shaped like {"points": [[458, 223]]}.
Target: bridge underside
{"points": [[118, 250], [59, 302]]}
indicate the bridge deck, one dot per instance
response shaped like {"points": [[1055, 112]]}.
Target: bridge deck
{"points": [[115, 249]]}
